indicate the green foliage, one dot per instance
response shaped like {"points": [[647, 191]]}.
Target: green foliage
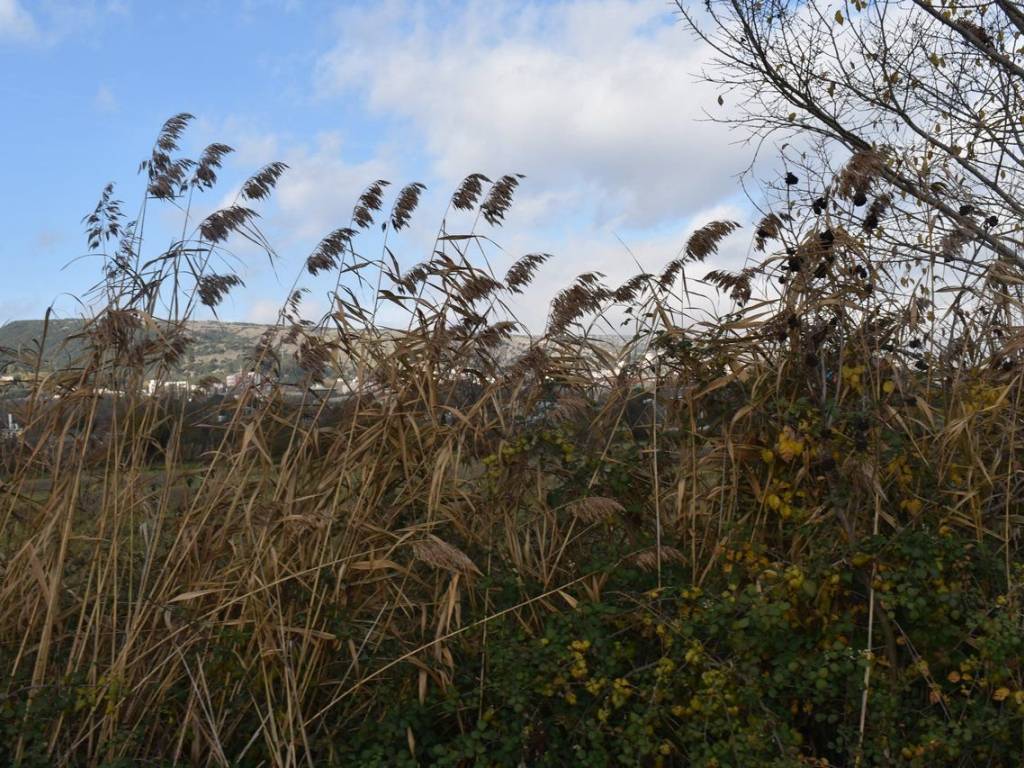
{"points": [[764, 668]]}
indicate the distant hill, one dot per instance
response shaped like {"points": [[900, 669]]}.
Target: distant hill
{"points": [[22, 338], [218, 348]]}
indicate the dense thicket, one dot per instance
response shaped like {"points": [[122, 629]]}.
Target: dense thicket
{"points": [[786, 535]]}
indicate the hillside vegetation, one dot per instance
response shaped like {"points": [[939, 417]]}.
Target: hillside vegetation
{"points": [[215, 348]]}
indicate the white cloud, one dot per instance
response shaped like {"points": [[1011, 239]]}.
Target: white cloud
{"points": [[618, 260], [317, 192], [263, 311], [15, 22], [595, 101], [104, 100], [52, 21], [320, 188], [314, 196]]}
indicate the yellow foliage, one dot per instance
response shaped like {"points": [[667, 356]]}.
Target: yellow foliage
{"points": [[789, 445]]}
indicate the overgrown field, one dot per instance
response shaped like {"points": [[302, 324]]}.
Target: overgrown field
{"points": [[782, 533]]}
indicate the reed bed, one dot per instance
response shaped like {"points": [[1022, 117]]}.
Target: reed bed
{"points": [[644, 552]]}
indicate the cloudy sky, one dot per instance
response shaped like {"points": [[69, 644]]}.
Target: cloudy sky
{"points": [[597, 102]]}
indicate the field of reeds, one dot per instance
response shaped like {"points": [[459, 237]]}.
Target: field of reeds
{"points": [[777, 523]]}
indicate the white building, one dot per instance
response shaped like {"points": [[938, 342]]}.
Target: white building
{"points": [[241, 380], [178, 387], [9, 428]]}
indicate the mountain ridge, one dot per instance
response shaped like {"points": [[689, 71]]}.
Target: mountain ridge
{"points": [[218, 348]]}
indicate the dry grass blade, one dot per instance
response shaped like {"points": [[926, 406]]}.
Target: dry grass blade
{"points": [[768, 228], [370, 201], [260, 185], [859, 173], [701, 244], [595, 509], [705, 241], [171, 132], [439, 554], [405, 204], [521, 273], [213, 288], [205, 174], [647, 560], [499, 198], [738, 284], [585, 296], [469, 191], [325, 256], [220, 225]]}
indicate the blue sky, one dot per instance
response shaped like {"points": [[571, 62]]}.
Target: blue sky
{"points": [[596, 101]]}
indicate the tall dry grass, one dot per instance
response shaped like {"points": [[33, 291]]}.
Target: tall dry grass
{"points": [[261, 605]]}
